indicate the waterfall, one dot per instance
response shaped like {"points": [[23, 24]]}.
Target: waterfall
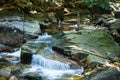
{"points": [[16, 55], [48, 68], [45, 38], [51, 69], [39, 60]]}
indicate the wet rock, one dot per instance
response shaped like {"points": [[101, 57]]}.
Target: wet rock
{"points": [[27, 50], [15, 69], [5, 48], [32, 47], [43, 26], [26, 58], [99, 43], [4, 64], [109, 74], [10, 58], [115, 25], [117, 14], [33, 76], [30, 28], [79, 57], [10, 38], [5, 72], [116, 30], [95, 61]]}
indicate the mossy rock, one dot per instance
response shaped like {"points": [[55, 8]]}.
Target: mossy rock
{"points": [[116, 25], [108, 74], [98, 42]]}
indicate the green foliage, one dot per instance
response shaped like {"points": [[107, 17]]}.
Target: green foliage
{"points": [[43, 5], [100, 3]]}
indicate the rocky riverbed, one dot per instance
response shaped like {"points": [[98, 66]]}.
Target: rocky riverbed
{"points": [[87, 54]]}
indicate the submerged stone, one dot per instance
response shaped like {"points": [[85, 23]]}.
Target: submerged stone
{"points": [[5, 72], [33, 76]]}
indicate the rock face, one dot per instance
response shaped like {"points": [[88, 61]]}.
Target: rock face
{"points": [[98, 43], [116, 30], [5, 72], [28, 27], [93, 48], [13, 31], [10, 38], [33, 76], [109, 74]]}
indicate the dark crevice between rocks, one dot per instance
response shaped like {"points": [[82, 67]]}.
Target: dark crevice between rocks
{"points": [[117, 38], [62, 52]]}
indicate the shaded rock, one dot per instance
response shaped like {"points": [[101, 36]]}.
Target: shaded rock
{"points": [[62, 51], [15, 69], [30, 28], [116, 30], [4, 64], [78, 56], [117, 14], [10, 38], [10, 58], [32, 47], [43, 26], [95, 61], [115, 25], [5, 48], [27, 50], [109, 74], [26, 58], [33, 76]]}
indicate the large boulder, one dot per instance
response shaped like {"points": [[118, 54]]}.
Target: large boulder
{"points": [[108, 74], [99, 46], [28, 27], [5, 72], [10, 38], [33, 76], [14, 30], [116, 24]]}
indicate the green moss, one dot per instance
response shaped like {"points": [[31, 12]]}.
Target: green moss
{"points": [[98, 42]]}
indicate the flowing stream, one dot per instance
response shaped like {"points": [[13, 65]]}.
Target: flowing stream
{"points": [[47, 68], [51, 69]]}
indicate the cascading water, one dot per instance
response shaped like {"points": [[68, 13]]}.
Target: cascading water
{"points": [[39, 60], [45, 38], [51, 69], [16, 55], [48, 68]]}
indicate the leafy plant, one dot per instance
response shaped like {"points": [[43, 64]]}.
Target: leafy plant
{"points": [[100, 3]]}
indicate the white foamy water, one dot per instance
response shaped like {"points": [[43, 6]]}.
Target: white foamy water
{"points": [[48, 68], [51, 69], [45, 38], [16, 53], [39, 60]]}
